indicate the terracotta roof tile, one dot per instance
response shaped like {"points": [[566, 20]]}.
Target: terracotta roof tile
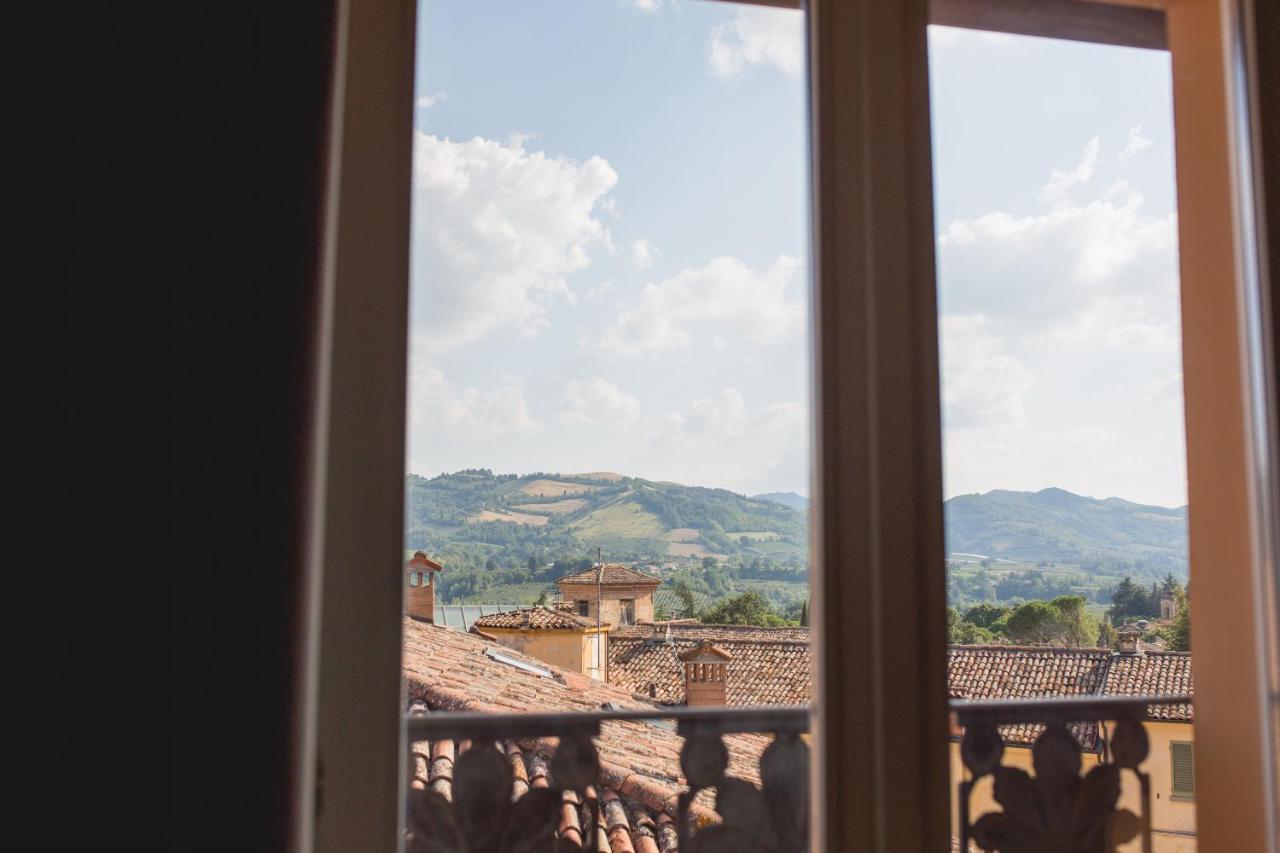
{"points": [[760, 671], [698, 631], [1152, 674], [1016, 672], [535, 618], [639, 762], [612, 574]]}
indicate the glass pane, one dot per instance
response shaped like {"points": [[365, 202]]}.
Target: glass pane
{"points": [[609, 386], [1064, 453]]}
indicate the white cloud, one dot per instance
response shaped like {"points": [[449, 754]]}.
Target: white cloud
{"points": [[982, 385], [497, 231], [437, 404], [757, 35], [707, 441], [1061, 183], [759, 306], [598, 401], [426, 102], [1137, 143], [1101, 271], [642, 254], [645, 5]]}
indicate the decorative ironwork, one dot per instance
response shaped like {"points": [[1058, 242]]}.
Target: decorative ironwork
{"points": [[484, 798], [1057, 810]]}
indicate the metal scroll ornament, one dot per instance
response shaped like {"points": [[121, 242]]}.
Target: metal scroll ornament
{"points": [[1057, 810]]}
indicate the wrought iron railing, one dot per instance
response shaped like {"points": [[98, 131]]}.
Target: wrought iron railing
{"points": [[532, 782], [560, 804], [1062, 806]]}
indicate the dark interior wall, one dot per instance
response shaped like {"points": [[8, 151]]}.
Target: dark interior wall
{"points": [[253, 100]]}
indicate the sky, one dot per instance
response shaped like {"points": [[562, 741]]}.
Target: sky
{"points": [[610, 251]]}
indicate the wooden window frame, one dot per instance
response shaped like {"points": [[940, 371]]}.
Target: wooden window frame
{"points": [[877, 562]]}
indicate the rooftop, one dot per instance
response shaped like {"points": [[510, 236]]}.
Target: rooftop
{"points": [[639, 762], [610, 573], [765, 669], [536, 619]]}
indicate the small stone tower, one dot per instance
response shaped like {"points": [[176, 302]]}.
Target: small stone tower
{"points": [[420, 590], [706, 671]]}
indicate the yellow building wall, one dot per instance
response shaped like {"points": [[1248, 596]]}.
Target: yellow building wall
{"points": [[1173, 822], [570, 650]]}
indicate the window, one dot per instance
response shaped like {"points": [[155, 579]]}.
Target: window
{"points": [[627, 611], [1182, 760], [878, 497], [584, 607]]}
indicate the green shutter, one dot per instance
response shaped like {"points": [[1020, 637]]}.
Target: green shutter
{"points": [[1184, 769]]}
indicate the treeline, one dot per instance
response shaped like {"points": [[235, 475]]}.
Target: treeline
{"points": [[1065, 621], [748, 608]]}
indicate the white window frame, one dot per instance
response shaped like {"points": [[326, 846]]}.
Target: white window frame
{"points": [[877, 545]]}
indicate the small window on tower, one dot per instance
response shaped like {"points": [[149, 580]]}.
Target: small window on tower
{"points": [[584, 608], [628, 611]]}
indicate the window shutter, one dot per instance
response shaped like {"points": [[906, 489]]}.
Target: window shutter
{"points": [[1183, 769]]}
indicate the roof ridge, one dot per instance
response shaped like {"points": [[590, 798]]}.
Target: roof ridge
{"points": [[1098, 650]]}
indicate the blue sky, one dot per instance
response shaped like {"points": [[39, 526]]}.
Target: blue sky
{"points": [[610, 251]]}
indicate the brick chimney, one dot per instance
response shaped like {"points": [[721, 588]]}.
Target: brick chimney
{"points": [[420, 591], [706, 668]]}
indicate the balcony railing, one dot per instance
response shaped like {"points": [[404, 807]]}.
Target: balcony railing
{"points": [[532, 782], [1062, 807]]}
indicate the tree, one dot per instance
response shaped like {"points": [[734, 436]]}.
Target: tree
{"points": [[1075, 627], [680, 589], [1178, 635], [961, 630], [1107, 637], [985, 615], [1033, 622], [1130, 601], [542, 597], [804, 615], [749, 608], [533, 563], [709, 562]]}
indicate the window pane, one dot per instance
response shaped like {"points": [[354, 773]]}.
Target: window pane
{"points": [[609, 373], [1060, 344]]}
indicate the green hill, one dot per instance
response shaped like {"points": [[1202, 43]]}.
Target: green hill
{"points": [[1054, 526], [477, 516]]}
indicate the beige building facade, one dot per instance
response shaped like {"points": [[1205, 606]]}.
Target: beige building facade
{"points": [[552, 635], [615, 594]]}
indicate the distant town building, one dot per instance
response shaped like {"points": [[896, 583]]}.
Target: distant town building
{"points": [[610, 593], [551, 634]]}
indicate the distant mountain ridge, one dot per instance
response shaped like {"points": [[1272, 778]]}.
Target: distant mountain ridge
{"points": [[508, 518], [791, 499], [1054, 525], [627, 518]]}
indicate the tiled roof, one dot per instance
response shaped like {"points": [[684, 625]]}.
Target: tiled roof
{"points": [[639, 762], [612, 574], [1026, 672], [697, 631], [1153, 673], [760, 672], [535, 618]]}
